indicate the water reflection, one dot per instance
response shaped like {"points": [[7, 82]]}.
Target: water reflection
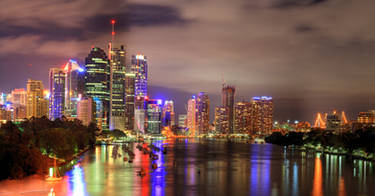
{"points": [[259, 169], [196, 167], [317, 182], [76, 181]]}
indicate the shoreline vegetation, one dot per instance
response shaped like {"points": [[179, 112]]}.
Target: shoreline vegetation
{"points": [[359, 144], [32, 146]]}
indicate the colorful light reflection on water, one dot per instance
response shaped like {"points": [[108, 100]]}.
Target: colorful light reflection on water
{"points": [[207, 168]]}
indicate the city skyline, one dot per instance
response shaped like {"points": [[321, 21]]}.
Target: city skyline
{"points": [[304, 65]]}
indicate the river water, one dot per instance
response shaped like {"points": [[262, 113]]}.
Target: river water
{"points": [[193, 167]]}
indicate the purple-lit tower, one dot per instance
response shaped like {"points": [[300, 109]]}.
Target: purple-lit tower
{"points": [[139, 63], [57, 93]]}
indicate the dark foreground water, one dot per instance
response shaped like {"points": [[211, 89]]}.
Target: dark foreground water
{"points": [[208, 168]]}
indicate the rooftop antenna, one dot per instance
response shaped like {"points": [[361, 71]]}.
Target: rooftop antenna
{"points": [[222, 80], [110, 46]]}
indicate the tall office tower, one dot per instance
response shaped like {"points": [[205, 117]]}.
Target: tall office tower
{"points": [[57, 93], [139, 63], [117, 90], [19, 97], [86, 110], [73, 77], [97, 79], [227, 100], [36, 105], [168, 116], [129, 96], [153, 117], [221, 120], [192, 116], [242, 116], [182, 120], [262, 113], [203, 117], [140, 107]]}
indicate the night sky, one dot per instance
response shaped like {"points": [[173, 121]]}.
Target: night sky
{"points": [[310, 55]]}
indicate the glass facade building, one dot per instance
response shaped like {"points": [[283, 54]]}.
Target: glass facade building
{"points": [[154, 109], [117, 89], [97, 84], [139, 63], [57, 93]]}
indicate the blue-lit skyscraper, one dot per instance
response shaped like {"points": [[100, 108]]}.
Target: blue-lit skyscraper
{"points": [[97, 80], [139, 63], [73, 76], [57, 93]]}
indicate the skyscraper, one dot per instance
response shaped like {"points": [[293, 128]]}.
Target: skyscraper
{"points": [[168, 115], [97, 80], [262, 114], [192, 116], [153, 122], [117, 89], [57, 93], [203, 116], [36, 105], [139, 62], [242, 117], [139, 65], [129, 96], [73, 77], [221, 120], [140, 108], [227, 100]]}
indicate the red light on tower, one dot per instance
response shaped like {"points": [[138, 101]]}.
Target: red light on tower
{"points": [[113, 33], [113, 21]]}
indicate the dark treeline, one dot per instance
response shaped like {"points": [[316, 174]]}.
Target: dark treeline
{"points": [[23, 147], [362, 139]]}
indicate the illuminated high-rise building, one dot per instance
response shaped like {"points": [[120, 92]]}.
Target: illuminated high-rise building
{"points": [[97, 84], [57, 93], [242, 117], [221, 120], [227, 100], [3, 98], [36, 105], [191, 118], [182, 120], [140, 108], [168, 115], [203, 116], [74, 76], [139, 63], [117, 89], [367, 118], [19, 97], [129, 96], [5, 114], [262, 115], [86, 110], [154, 112]]}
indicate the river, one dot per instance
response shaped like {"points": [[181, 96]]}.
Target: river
{"points": [[193, 167]]}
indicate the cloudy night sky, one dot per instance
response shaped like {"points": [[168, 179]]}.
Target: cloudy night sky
{"points": [[309, 55]]}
